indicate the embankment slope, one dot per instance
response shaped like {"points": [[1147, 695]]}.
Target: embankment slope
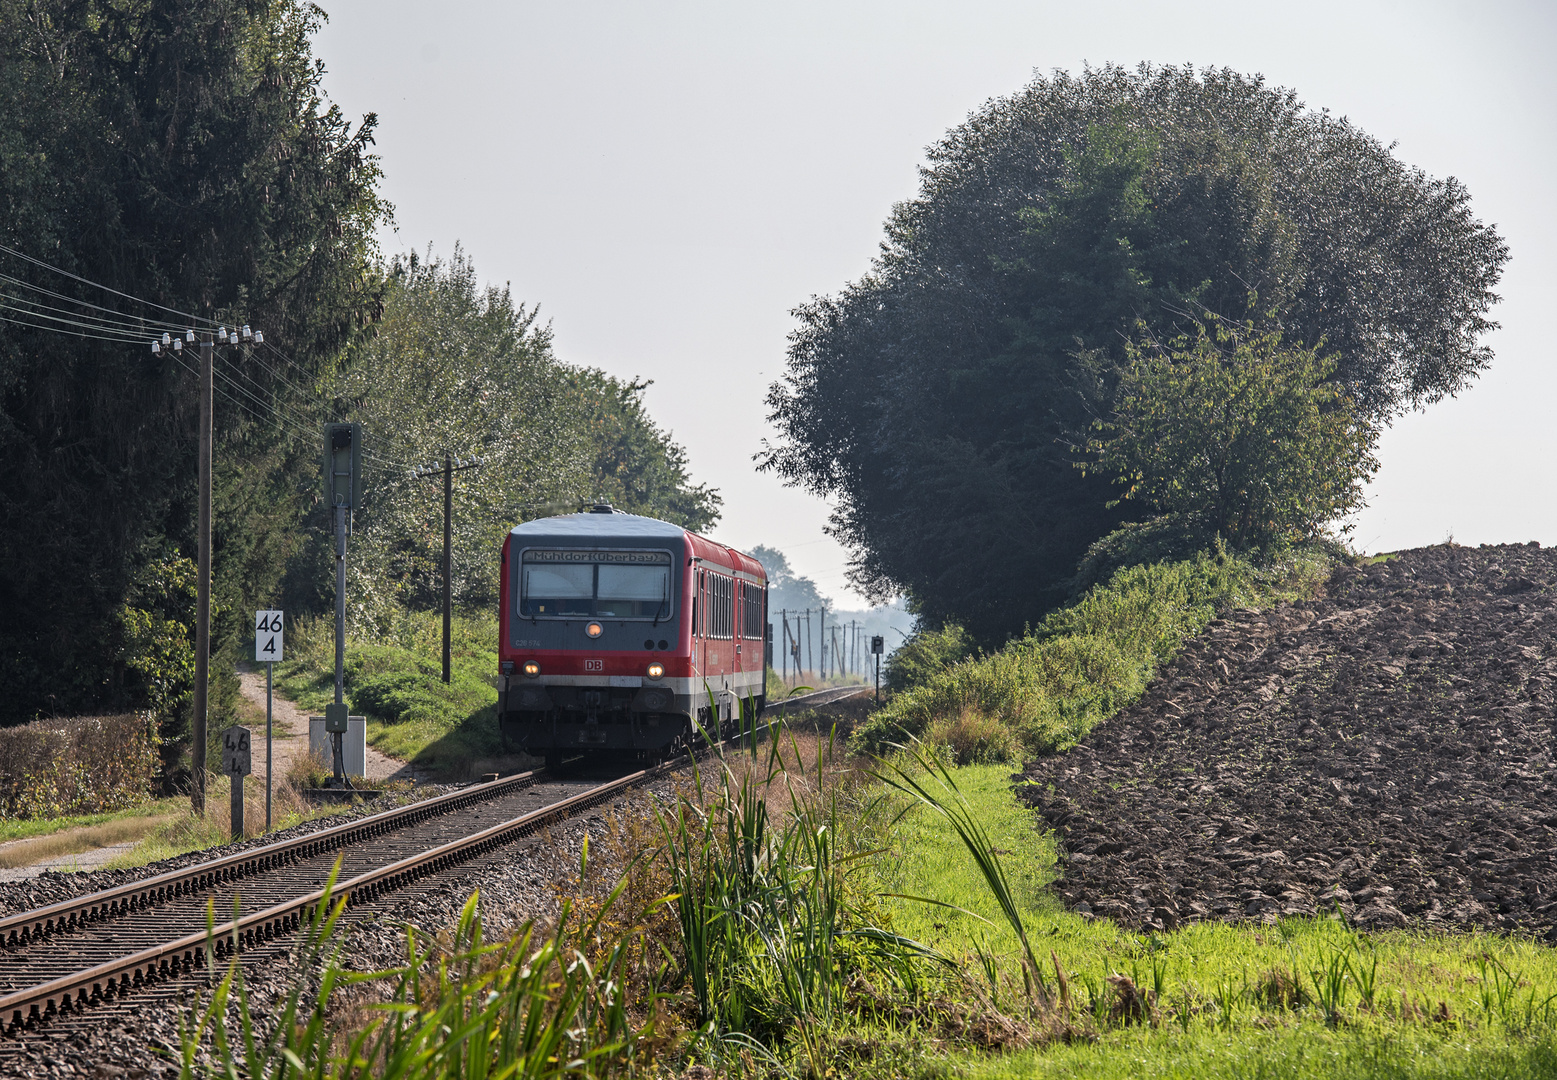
{"points": [[1386, 748]]}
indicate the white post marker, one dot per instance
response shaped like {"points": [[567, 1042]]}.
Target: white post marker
{"points": [[268, 627]]}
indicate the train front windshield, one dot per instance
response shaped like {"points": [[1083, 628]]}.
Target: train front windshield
{"points": [[613, 584]]}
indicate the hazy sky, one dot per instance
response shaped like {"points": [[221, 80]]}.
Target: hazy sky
{"points": [[668, 180]]}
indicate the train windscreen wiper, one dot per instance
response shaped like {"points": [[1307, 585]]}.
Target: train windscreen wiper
{"points": [[664, 599]]}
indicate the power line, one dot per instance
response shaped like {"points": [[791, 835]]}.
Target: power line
{"points": [[398, 466], [300, 428], [61, 330], [21, 283], [279, 377], [125, 335], [85, 281], [127, 323], [124, 329]]}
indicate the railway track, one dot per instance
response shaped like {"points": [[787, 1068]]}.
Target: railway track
{"points": [[62, 961], [815, 698]]}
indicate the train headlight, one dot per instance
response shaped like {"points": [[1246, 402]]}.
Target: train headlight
{"points": [[656, 671], [531, 669], [594, 629]]}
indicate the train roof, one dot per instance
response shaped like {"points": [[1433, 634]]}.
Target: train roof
{"points": [[594, 524], [600, 524]]}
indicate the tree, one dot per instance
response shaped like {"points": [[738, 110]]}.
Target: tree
{"points": [[942, 399], [183, 153], [454, 368], [1240, 434]]}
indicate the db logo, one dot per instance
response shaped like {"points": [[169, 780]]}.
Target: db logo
{"points": [[594, 665]]}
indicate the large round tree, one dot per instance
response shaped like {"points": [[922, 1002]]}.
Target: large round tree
{"points": [[942, 399]]}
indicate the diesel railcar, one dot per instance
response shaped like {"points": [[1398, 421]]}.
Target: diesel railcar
{"points": [[616, 631]]}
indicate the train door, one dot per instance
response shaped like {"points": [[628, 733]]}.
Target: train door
{"points": [[700, 624], [742, 628]]}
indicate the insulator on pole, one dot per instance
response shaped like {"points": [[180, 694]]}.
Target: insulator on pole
{"points": [[178, 346], [247, 333], [166, 338], [189, 336], [156, 347], [259, 337]]}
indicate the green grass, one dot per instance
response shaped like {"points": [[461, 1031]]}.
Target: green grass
{"points": [[1442, 1004], [397, 683], [928, 859], [22, 830], [1089, 660], [1302, 1052]]}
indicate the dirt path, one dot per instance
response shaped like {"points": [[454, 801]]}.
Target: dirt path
{"points": [[95, 859], [290, 726], [1386, 749]]}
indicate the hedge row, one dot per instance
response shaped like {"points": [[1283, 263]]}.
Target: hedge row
{"points": [[83, 765]]}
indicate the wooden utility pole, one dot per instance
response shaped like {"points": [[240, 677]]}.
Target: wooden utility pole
{"points": [[448, 558], [784, 618], [203, 579], [449, 467]]}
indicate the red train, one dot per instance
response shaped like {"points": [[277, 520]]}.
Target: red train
{"points": [[617, 628]]}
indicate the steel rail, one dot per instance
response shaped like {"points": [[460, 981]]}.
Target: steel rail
{"points": [[82, 989], [78, 991], [817, 697], [24, 927]]}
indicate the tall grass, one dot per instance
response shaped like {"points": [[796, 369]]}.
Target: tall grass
{"points": [[1089, 660], [532, 1005], [772, 926], [929, 782]]}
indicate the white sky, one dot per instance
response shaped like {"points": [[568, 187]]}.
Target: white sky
{"points": [[669, 179]]}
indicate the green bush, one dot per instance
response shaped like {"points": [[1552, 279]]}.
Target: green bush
{"points": [[1168, 538], [1087, 661], [925, 655], [396, 685], [971, 738], [85, 765], [397, 677]]}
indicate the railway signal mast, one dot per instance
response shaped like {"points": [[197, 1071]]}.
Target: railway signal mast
{"points": [[342, 493], [877, 643]]}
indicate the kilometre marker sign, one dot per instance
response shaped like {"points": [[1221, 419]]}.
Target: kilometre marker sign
{"points": [[267, 635]]}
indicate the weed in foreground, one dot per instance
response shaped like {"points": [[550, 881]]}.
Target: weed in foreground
{"points": [[529, 1006]]}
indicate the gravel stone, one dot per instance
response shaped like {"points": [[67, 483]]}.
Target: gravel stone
{"points": [[140, 1034]]}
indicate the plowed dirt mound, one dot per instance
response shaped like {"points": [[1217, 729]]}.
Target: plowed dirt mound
{"points": [[1386, 748]]}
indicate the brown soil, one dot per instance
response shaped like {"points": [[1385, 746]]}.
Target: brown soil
{"points": [[1385, 750]]}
